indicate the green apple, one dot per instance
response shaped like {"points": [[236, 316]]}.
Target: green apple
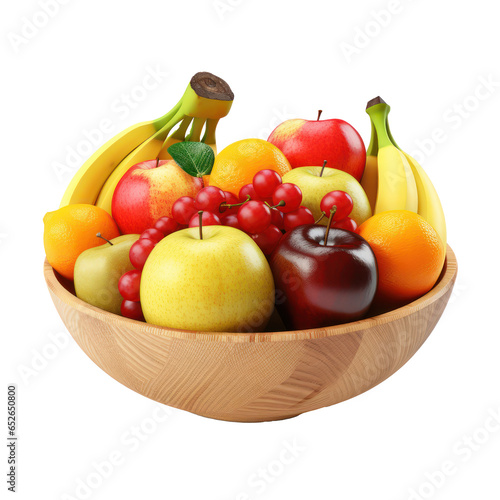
{"points": [[314, 186], [221, 282], [98, 270]]}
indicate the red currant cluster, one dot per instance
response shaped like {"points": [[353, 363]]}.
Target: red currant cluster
{"points": [[338, 205], [264, 209], [130, 283], [271, 208]]}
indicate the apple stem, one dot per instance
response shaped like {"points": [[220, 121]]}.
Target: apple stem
{"points": [[200, 214], [330, 219], [319, 114], [323, 169], [99, 235], [323, 214]]}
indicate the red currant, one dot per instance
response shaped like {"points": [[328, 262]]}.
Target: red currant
{"points": [[207, 219], [348, 224], [339, 199], [290, 194], [140, 251], [130, 284], [246, 191], [209, 199], [166, 225], [277, 218], [254, 217], [298, 217], [132, 310], [183, 209], [231, 220], [265, 182], [268, 239], [152, 234]]}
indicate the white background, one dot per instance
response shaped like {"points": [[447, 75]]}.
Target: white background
{"points": [[283, 59]]}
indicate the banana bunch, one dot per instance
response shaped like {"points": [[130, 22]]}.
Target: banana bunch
{"points": [[206, 100], [392, 179]]}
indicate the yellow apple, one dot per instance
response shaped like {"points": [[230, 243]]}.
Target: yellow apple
{"points": [[221, 283], [314, 186]]}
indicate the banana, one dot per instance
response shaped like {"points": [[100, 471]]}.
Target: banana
{"points": [[369, 181], [146, 151], [397, 189], [206, 100], [86, 184], [428, 202]]}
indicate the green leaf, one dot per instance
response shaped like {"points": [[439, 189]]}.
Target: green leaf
{"points": [[195, 158]]}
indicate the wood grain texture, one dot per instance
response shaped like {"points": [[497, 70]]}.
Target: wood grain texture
{"points": [[252, 377]]}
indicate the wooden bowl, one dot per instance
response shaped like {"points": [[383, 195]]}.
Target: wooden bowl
{"points": [[252, 377]]}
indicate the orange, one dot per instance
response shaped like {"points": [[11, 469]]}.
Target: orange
{"points": [[72, 229], [236, 164], [409, 255]]}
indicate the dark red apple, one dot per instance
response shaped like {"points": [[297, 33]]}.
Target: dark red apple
{"points": [[308, 143], [320, 285]]}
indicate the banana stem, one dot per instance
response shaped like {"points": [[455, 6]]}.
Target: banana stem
{"points": [[180, 133], [209, 136], [196, 129], [378, 114], [373, 146], [161, 122], [389, 133], [376, 106]]}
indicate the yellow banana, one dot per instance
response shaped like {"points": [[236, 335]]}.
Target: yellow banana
{"points": [[369, 181], [146, 151], [397, 189], [428, 202], [206, 99], [86, 184]]}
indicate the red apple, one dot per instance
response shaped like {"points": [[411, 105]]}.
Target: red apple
{"points": [[320, 285], [147, 192], [310, 142]]}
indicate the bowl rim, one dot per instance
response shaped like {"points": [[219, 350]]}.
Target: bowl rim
{"points": [[443, 284]]}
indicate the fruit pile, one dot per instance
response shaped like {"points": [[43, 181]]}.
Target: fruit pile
{"points": [[158, 227]]}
